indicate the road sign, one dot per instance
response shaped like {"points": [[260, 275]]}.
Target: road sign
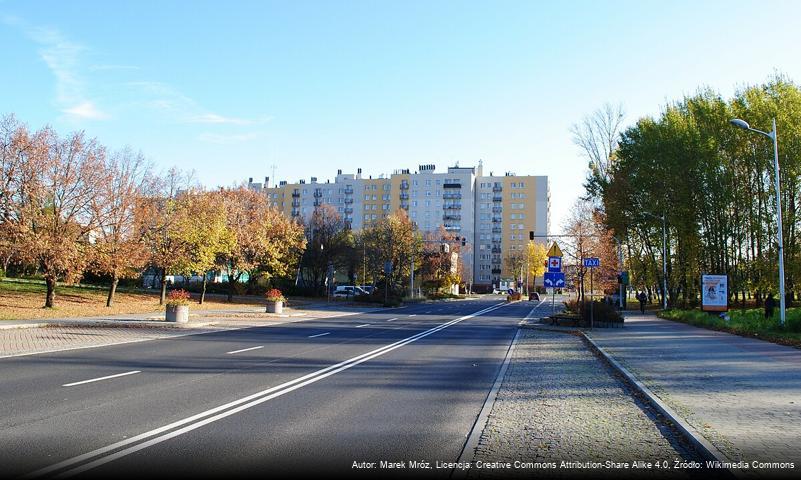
{"points": [[554, 251], [592, 262], [554, 264], [387, 267], [554, 279]]}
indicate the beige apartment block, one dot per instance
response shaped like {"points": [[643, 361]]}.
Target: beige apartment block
{"points": [[493, 214]]}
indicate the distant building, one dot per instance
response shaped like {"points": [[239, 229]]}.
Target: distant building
{"points": [[494, 213]]}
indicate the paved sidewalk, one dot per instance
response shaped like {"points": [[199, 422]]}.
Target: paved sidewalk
{"points": [[559, 402], [742, 394], [29, 337]]}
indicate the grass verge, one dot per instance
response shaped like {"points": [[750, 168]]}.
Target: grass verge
{"points": [[24, 300], [746, 323]]}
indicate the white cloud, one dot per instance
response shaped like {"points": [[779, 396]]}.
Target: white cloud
{"points": [[228, 139], [63, 58], [86, 110]]}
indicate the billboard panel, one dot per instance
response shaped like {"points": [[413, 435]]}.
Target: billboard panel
{"points": [[714, 293]]}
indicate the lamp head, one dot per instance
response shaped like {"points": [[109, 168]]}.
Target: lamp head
{"points": [[740, 123]]}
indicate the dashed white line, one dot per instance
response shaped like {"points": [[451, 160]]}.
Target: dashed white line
{"points": [[319, 335], [413, 315], [245, 350], [364, 325], [101, 378], [103, 455], [392, 319]]}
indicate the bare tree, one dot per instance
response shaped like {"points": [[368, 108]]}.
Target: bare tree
{"points": [[597, 136]]}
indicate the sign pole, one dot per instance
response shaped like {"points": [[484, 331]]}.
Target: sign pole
{"points": [[591, 290]]}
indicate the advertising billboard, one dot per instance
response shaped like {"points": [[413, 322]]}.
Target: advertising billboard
{"points": [[714, 293]]}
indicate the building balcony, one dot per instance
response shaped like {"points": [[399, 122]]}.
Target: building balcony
{"points": [[452, 185], [348, 211], [497, 199], [404, 205], [497, 209], [452, 206], [453, 228], [451, 217], [497, 230], [348, 200], [348, 191], [497, 219], [452, 196], [317, 203], [296, 204], [318, 193], [496, 250], [496, 271], [295, 213], [295, 194], [497, 188], [404, 185], [404, 196]]}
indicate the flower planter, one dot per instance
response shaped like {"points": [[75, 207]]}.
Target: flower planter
{"points": [[275, 307], [177, 313]]}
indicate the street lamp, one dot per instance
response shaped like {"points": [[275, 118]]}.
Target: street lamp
{"points": [[664, 258], [773, 136]]}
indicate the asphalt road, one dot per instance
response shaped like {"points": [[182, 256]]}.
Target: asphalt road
{"points": [[309, 397]]}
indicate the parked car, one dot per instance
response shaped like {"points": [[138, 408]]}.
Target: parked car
{"points": [[348, 291]]}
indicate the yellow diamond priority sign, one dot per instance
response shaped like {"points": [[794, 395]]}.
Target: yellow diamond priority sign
{"points": [[554, 251]]}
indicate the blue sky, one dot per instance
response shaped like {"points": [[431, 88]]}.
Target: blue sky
{"points": [[230, 88]]}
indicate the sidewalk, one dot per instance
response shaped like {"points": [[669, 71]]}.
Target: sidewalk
{"points": [[26, 337], [742, 394]]}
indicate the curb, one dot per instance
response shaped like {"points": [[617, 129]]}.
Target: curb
{"points": [[702, 445], [469, 448]]}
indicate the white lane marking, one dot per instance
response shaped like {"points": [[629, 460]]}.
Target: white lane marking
{"points": [[101, 378], [245, 350], [413, 315], [365, 325], [392, 319], [428, 311], [227, 410], [319, 335]]}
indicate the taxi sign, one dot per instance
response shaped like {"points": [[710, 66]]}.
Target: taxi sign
{"points": [[554, 251]]}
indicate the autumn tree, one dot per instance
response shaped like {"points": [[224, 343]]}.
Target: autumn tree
{"points": [[57, 223], [265, 243], [393, 239], [330, 242], [160, 221], [201, 226], [119, 250]]}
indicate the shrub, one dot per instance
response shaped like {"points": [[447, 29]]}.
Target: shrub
{"points": [[274, 295], [178, 297]]}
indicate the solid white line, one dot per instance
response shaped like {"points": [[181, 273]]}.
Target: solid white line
{"points": [[319, 335], [227, 410], [365, 325], [245, 350], [101, 378], [392, 319]]}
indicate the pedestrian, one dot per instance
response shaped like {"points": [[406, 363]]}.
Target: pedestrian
{"points": [[770, 304], [642, 298]]}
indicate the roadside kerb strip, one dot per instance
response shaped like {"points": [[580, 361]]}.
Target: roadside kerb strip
{"points": [[198, 420], [469, 448]]}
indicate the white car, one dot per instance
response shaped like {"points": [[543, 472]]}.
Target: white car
{"points": [[346, 291]]}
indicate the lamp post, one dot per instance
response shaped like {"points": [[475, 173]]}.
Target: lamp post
{"points": [[664, 258], [773, 136]]}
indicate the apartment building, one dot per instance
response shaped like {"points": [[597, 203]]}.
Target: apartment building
{"points": [[494, 214]]}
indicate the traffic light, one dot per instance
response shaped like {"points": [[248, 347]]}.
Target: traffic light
{"points": [[464, 241], [530, 235]]}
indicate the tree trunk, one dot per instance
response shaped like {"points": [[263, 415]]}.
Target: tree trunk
{"points": [[112, 290], [203, 291], [51, 291], [163, 286], [232, 281]]}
